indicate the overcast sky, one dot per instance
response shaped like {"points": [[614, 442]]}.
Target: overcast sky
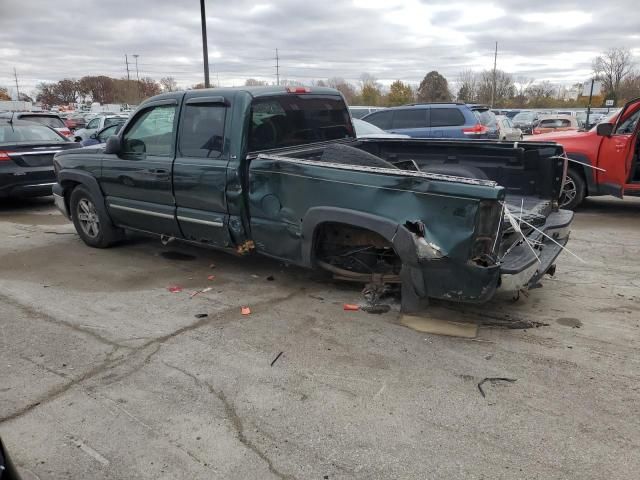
{"points": [[554, 40]]}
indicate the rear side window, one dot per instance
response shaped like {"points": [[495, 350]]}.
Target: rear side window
{"points": [[410, 118], [446, 117], [202, 130], [11, 134], [380, 119], [289, 120], [53, 122], [95, 123]]}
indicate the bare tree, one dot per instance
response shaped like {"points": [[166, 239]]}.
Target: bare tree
{"points": [[252, 82], [168, 84], [468, 86], [521, 86], [505, 89], [612, 67], [345, 88]]}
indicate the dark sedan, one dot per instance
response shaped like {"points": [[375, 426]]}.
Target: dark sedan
{"points": [[26, 158]]}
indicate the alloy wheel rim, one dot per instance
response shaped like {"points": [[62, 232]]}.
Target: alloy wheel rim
{"points": [[569, 192], [88, 218]]}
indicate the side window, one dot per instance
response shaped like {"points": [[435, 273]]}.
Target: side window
{"points": [[564, 123], [93, 123], [380, 119], [107, 132], [202, 130], [151, 132], [629, 124], [446, 117], [410, 118]]}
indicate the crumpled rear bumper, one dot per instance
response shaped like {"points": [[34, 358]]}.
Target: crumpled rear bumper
{"points": [[520, 268], [431, 274]]}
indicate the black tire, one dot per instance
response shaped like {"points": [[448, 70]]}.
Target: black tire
{"points": [[573, 190], [92, 224]]}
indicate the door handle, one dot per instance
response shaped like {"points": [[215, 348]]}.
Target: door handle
{"points": [[159, 171]]}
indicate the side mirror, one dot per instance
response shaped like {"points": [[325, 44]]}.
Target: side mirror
{"points": [[94, 135], [113, 145], [604, 129]]}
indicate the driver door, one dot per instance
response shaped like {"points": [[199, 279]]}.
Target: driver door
{"points": [[137, 181], [616, 152]]}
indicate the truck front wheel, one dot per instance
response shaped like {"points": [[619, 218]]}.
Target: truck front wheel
{"points": [[573, 190], [91, 223]]}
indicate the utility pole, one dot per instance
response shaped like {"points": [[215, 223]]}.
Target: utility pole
{"points": [[495, 63], [135, 55], [205, 51], [15, 74], [126, 61], [586, 122], [277, 68]]}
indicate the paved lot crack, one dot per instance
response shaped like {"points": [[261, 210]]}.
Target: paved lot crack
{"points": [[235, 420], [109, 363], [33, 313]]}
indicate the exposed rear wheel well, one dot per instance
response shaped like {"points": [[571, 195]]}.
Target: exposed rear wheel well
{"points": [[355, 253]]}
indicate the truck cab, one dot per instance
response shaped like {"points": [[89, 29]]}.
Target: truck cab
{"points": [[603, 160]]}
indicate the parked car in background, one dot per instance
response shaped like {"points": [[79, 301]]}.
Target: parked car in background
{"points": [[612, 146], [102, 135], [96, 124], [368, 130], [430, 120], [487, 118], [506, 130], [554, 123], [48, 119], [524, 121], [360, 112], [594, 119], [74, 122], [26, 158]]}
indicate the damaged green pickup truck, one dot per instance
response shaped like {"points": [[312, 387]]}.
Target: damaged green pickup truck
{"points": [[278, 171]]}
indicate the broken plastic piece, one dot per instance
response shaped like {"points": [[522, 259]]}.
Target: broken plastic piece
{"points": [[271, 278], [211, 277], [213, 265], [351, 308], [174, 288], [201, 315], [245, 311]]}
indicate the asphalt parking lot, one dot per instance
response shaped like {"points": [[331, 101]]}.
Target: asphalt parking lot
{"points": [[105, 374]]}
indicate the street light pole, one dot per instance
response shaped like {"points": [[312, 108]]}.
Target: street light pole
{"points": [[205, 52]]}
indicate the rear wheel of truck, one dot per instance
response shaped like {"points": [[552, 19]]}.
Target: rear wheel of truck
{"points": [[573, 190], [94, 228]]}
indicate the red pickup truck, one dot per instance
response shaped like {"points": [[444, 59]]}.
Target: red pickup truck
{"points": [[612, 147]]}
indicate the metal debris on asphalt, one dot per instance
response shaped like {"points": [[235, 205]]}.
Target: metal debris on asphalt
{"points": [[276, 359], [204, 290], [201, 315], [494, 379]]}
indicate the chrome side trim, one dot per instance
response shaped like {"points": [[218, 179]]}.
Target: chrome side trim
{"points": [[51, 184], [39, 152], [200, 222], [144, 212]]}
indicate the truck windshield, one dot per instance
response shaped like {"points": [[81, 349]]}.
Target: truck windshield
{"points": [[289, 120]]}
